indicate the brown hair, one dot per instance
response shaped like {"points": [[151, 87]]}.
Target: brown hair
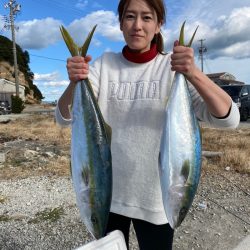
{"points": [[159, 7]]}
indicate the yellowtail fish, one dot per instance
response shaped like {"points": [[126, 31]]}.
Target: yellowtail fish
{"points": [[180, 150], [90, 151]]}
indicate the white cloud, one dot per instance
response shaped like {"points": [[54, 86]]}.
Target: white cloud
{"points": [[38, 33], [52, 94], [107, 26], [41, 33], [226, 35], [108, 50], [232, 37], [238, 50], [236, 67], [47, 77], [81, 4], [225, 27], [56, 83], [52, 79]]}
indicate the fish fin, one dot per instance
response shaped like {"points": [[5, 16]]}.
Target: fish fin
{"points": [[185, 170], [159, 163], [73, 48], [182, 214], [85, 46], [85, 175], [192, 38], [70, 167], [181, 37], [109, 132]]}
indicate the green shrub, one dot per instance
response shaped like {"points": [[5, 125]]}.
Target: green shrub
{"points": [[17, 104]]}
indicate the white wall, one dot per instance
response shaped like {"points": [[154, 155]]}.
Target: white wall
{"points": [[8, 88]]}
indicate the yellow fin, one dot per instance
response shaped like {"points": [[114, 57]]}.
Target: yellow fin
{"points": [[73, 48], [85, 46], [185, 169], [181, 37], [109, 132]]}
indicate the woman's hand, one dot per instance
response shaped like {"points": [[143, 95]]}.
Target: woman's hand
{"points": [[78, 68], [183, 60], [217, 100]]}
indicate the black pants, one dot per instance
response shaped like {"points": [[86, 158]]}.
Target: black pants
{"points": [[149, 236]]}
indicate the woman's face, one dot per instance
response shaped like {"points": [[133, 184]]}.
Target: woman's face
{"points": [[139, 25]]}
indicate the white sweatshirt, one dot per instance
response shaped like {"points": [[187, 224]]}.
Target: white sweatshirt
{"points": [[132, 98]]}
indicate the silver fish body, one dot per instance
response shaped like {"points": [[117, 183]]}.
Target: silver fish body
{"points": [[90, 160], [180, 153]]}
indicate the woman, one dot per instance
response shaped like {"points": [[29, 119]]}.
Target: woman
{"points": [[132, 88]]}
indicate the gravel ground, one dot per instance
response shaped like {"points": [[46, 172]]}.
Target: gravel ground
{"points": [[40, 213]]}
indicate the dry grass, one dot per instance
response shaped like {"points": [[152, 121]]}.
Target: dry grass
{"points": [[41, 127], [234, 145]]}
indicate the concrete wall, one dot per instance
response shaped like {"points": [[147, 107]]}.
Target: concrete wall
{"points": [[8, 88]]}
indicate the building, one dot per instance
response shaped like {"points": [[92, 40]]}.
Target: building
{"points": [[7, 89], [224, 78]]}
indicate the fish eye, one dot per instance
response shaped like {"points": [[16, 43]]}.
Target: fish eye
{"points": [[93, 219], [183, 212]]}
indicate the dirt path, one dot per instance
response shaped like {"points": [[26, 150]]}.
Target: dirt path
{"points": [[40, 213]]}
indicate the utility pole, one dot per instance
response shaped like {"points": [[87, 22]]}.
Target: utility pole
{"points": [[202, 49], [14, 9]]}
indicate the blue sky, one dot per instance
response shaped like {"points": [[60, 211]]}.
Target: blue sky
{"points": [[223, 24]]}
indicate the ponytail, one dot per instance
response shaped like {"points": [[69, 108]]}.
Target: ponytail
{"points": [[158, 39]]}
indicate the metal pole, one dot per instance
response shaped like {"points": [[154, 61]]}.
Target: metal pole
{"points": [[14, 48], [202, 49], [14, 8]]}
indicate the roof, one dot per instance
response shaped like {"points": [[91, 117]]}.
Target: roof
{"points": [[214, 75], [229, 82], [224, 78]]}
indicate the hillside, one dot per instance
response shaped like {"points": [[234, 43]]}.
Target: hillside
{"points": [[26, 76]]}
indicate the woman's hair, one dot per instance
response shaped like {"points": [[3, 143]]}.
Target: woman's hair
{"points": [[159, 8]]}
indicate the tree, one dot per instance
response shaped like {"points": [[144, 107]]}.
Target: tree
{"points": [[23, 59]]}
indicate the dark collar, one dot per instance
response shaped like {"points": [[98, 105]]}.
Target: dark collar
{"points": [[136, 57]]}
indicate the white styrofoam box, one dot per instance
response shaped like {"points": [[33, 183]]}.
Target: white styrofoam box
{"points": [[113, 241]]}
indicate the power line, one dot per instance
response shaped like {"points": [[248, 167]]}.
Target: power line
{"points": [[207, 66], [49, 58], [44, 57]]}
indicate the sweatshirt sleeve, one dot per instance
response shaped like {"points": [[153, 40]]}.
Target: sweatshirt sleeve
{"points": [[60, 120], [231, 121], [94, 75]]}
